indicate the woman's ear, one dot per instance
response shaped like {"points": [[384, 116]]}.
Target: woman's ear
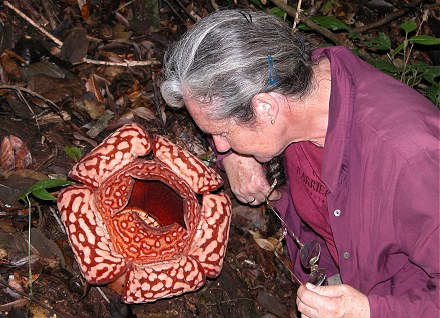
{"points": [[265, 106]]}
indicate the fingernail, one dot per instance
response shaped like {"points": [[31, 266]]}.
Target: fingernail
{"points": [[310, 286]]}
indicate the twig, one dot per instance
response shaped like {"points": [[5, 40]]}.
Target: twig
{"points": [[14, 304], [55, 215], [215, 5], [229, 301], [298, 10], [156, 99], [33, 23], [30, 109], [424, 19], [126, 63], [392, 16], [124, 5], [102, 294]]}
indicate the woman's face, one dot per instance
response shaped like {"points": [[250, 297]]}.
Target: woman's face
{"points": [[261, 140]]}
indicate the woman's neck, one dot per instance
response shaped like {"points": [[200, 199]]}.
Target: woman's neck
{"points": [[309, 115]]}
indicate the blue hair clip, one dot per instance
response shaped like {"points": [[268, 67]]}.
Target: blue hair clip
{"points": [[273, 75]]}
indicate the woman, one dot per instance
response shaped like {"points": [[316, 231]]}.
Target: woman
{"points": [[361, 156]]}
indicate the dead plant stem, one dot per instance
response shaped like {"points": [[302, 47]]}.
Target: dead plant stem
{"points": [[298, 10]]}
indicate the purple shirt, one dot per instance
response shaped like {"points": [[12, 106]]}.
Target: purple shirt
{"points": [[381, 169]]}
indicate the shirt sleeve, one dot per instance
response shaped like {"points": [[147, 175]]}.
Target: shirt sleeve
{"points": [[416, 217]]}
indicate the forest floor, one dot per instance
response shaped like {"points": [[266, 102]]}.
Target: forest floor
{"points": [[56, 92]]}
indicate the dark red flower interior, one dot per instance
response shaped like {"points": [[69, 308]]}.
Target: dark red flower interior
{"points": [[158, 200]]}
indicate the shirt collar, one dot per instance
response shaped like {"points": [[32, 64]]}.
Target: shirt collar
{"points": [[340, 116]]}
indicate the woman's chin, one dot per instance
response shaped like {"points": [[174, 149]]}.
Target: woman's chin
{"points": [[263, 159]]}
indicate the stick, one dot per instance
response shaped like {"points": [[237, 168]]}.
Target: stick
{"points": [[126, 63]]}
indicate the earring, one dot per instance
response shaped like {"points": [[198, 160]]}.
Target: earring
{"points": [[272, 120]]}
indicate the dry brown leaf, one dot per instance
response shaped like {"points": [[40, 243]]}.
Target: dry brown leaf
{"points": [[265, 244], [14, 154], [75, 45], [144, 113], [10, 67], [55, 89], [7, 226], [272, 304], [16, 283], [95, 84], [270, 244], [46, 68], [90, 106], [84, 7]]}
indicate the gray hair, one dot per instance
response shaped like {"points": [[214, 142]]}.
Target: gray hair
{"points": [[230, 56]]}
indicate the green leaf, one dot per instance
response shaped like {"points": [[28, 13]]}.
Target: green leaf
{"points": [[47, 184], [381, 42], [408, 26], [278, 12], [431, 74], [420, 66], [73, 152], [399, 48], [386, 66], [303, 27], [38, 189], [424, 40], [330, 23], [433, 93], [43, 195]]}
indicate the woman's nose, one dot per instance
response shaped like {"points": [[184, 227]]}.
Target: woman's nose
{"points": [[221, 143]]}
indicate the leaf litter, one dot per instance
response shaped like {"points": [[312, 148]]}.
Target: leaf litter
{"points": [[60, 97], [72, 72]]}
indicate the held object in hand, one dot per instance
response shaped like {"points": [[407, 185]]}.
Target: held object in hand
{"points": [[309, 252]]}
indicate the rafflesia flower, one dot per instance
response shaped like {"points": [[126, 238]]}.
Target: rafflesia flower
{"points": [[148, 216]]}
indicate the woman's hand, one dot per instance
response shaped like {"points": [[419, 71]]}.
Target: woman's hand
{"points": [[247, 179], [331, 302]]}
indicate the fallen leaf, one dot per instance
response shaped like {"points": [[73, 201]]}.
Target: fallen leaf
{"points": [[75, 46], [272, 304], [14, 154]]}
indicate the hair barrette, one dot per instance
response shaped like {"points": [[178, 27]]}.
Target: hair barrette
{"points": [[273, 75]]}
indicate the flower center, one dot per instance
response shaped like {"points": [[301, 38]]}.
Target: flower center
{"points": [[161, 204]]}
